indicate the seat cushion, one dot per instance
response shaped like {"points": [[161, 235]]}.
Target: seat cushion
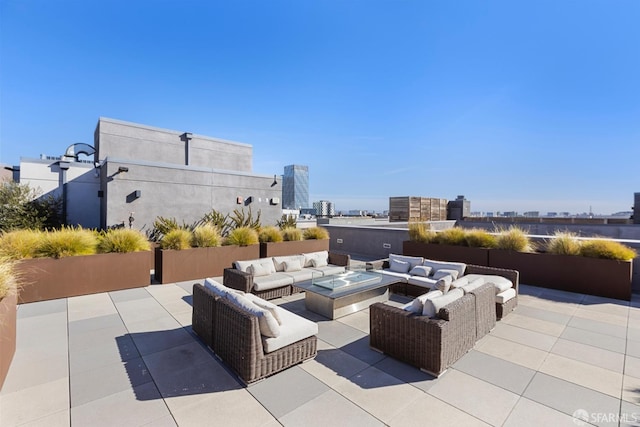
{"points": [[458, 283], [291, 261], [440, 265], [401, 276], [472, 286], [417, 305], [412, 260], [243, 265], [269, 326], [329, 269], [293, 329], [439, 274], [420, 270], [505, 296], [272, 281], [501, 283], [433, 306], [302, 275], [425, 282]]}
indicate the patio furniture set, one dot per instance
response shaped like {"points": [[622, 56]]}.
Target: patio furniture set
{"points": [[455, 305]]}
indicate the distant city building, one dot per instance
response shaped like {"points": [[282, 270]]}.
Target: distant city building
{"points": [[552, 214], [636, 208], [417, 209], [532, 214], [295, 187], [510, 214], [324, 208], [458, 208]]}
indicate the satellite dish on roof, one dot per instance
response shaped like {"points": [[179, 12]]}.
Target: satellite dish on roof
{"points": [[74, 150]]}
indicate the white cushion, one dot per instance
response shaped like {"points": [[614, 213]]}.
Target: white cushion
{"points": [[302, 275], [219, 289], [243, 265], [403, 276], [458, 283], [439, 274], [312, 255], [292, 265], [433, 306], [505, 296], [258, 270], [293, 329], [420, 270], [501, 283], [444, 283], [439, 265], [330, 269], [279, 261], [272, 281], [412, 260], [268, 324], [417, 305], [425, 282], [319, 262], [472, 286], [399, 266], [266, 305]]}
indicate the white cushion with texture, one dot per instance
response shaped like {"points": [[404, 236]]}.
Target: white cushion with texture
{"points": [[274, 280], [472, 286], [266, 305], [279, 261], [312, 255], [439, 274], [257, 270], [243, 265], [268, 324], [501, 283], [302, 275], [412, 260], [217, 288], [403, 276], [425, 282], [433, 306], [399, 266], [319, 262], [439, 265], [444, 283], [458, 283], [417, 305], [420, 270], [505, 296], [330, 269], [292, 265], [293, 329]]}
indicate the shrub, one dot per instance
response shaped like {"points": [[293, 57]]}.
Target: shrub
{"points": [[123, 240], [452, 236], [22, 207], [315, 233], [270, 234], [8, 279], [563, 243], [20, 244], [290, 234], [177, 239], [420, 232], [514, 239], [242, 236], [67, 241], [287, 221], [607, 249], [240, 219], [206, 236], [479, 238]]}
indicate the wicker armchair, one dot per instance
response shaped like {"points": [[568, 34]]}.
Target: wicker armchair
{"points": [[234, 336], [236, 279], [431, 344]]}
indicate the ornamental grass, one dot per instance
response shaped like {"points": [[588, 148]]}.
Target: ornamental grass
{"points": [[607, 249], [177, 239], [20, 244], [315, 233], [242, 236], [564, 243], [68, 241], [270, 234], [123, 240], [514, 239], [291, 234], [421, 232], [480, 238], [206, 236]]}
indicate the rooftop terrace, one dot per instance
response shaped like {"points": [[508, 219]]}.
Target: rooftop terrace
{"points": [[130, 358]]}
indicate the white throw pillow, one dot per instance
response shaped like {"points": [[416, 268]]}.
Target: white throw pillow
{"points": [[267, 305], [444, 283], [420, 270], [437, 303], [319, 262], [292, 265], [399, 266], [258, 270], [269, 326], [458, 283], [439, 274], [308, 257], [417, 305], [412, 260]]}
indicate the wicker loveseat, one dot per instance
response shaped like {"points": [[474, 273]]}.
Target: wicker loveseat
{"points": [[280, 280], [235, 336], [413, 285], [432, 343]]}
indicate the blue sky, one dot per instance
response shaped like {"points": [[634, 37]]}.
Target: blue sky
{"points": [[518, 105]]}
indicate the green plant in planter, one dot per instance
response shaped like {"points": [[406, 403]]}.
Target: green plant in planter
{"points": [[290, 234], [8, 278], [123, 240], [563, 243], [480, 238], [177, 239], [270, 234], [287, 221], [607, 249], [514, 239], [218, 220], [242, 236], [455, 236], [238, 219], [68, 241], [206, 236], [421, 232], [315, 233], [20, 244]]}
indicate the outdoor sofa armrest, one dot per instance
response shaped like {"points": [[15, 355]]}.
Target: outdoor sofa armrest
{"points": [[339, 259], [236, 279], [378, 264], [512, 275], [203, 313]]}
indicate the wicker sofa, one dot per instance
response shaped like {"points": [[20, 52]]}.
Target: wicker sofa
{"points": [[433, 343], [413, 285], [275, 277], [236, 335]]}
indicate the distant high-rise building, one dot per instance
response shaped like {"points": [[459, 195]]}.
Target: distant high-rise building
{"points": [[295, 187], [459, 208], [324, 208]]}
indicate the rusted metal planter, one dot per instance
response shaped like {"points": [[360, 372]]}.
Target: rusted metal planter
{"points": [[7, 333], [436, 251], [592, 276], [48, 278], [197, 263], [271, 249]]}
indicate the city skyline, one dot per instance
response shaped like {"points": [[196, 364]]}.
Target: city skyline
{"points": [[519, 106]]}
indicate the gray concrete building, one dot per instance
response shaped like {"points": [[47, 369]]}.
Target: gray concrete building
{"points": [[143, 172]]}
